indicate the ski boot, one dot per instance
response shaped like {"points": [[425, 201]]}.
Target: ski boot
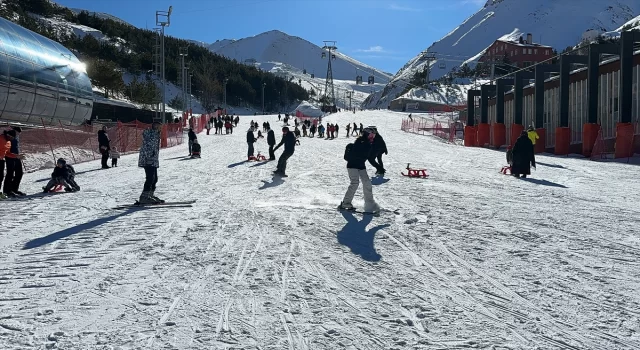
{"points": [[145, 198], [156, 199], [346, 206]]}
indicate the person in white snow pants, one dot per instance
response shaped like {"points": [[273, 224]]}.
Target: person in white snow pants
{"points": [[356, 155]]}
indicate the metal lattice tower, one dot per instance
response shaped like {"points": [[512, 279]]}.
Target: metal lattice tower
{"points": [[329, 98], [157, 69]]}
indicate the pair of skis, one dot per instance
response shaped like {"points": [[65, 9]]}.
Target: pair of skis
{"points": [[183, 204]]}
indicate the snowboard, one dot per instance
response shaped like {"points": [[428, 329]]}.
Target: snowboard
{"points": [[156, 205]]}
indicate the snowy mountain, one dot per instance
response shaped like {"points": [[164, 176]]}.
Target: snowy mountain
{"points": [[555, 23], [633, 24], [275, 48], [100, 15]]}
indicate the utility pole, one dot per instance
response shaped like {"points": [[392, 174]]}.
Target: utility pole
{"points": [[349, 96], [189, 95], [182, 77], [163, 19], [263, 86], [329, 98], [225, 93], [431, 56]]}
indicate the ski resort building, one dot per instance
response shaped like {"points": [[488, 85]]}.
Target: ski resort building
{"points": [[522, 53], [41, 81], [584, 101]]}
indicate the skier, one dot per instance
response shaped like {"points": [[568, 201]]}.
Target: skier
{"points": [[356, 154], [271, 141], [114, 157], [195, 148], [149, 159], [379, 147], [63, 174], [289, 141], [348, 129], [250, 140], [523, 157], [5, 147], [104, 145], [192, 137]]}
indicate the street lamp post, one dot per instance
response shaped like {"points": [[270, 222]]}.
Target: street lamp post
{"points": [[163, 19], [263, 86], [225, 93]]}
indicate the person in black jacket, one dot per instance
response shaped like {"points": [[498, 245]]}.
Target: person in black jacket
{"points": [[523, 156], [250, 141], [104, 143], [379, 147], [289, 140], [192, 137], [63, 174], [271, 141], [358, 154]]}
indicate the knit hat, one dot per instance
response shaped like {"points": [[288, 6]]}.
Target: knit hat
{"points": [[61, 161]]}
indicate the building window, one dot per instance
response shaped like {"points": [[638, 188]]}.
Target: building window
{"points": [[511, 53], [524, 51], [547, 52], [535, 51], [529, 51]]}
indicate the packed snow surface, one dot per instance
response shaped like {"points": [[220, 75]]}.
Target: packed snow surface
{"points": [[475, 259]]}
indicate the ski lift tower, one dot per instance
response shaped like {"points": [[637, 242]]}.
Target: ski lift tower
{"points": [[163, 19], [329, 98]]}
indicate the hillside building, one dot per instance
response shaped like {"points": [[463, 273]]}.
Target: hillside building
{"points": [[521, 53]]}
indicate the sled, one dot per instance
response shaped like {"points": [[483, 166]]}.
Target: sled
{"points": [[57, 188], [414, 172], [258, 158], [506, 170]]}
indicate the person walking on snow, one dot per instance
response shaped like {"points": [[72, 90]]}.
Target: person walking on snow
{"points": [[378, 148], [356, 154], [348, 129], [5, 147], [149, 159], [250, 141], [523, 156], [192, 137], [289, 141], [104, 143], [13, 160], [271, 141]]}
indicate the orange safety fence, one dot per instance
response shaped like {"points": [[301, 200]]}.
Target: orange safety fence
{"points": [[43, 144], [429, 126]]}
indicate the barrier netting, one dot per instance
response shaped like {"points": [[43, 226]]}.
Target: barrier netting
{"points": [[430, 126], [42, 145]]}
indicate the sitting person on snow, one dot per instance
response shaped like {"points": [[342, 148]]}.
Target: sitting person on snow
{"points": [[63, 174], [195, 149]]}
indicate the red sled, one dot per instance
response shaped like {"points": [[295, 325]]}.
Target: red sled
{"points": [[412, 172], [506, 170]]}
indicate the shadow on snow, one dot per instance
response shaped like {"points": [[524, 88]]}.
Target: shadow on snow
{"points": [[355, 236], [39, 242], [379, 180], [543, 182], [236, 164], [557, 166], [277, 181]]}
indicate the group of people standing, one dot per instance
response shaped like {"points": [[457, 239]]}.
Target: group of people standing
{"points": [[228, 122]]}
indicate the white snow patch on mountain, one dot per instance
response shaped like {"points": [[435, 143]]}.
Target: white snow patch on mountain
{"points": [[555, 23]]}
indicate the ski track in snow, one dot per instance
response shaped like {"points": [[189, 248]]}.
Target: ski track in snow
{"points": [[475, 259]]}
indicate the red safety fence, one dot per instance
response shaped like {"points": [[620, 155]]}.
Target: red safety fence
{"points": [[430, 126], [43, 145]]}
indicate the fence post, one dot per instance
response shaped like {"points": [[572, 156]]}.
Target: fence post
{"points": [[49, 140], [64, 134]]}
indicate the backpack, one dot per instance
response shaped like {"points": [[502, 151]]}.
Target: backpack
{"points": [[347, 150]]}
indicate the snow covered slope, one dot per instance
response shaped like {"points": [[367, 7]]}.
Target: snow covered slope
{"points": [[633, 24], [100, 15], [555, 23], [475, 260], [274, 47]]}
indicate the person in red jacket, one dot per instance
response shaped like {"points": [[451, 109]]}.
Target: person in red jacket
{"points": [[13, 160], [5, 146]]}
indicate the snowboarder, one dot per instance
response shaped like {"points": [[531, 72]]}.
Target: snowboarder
{"points": [[114, 157], [63, 174], [271, 141], [523, 157], [379, 147], [192, 137], [356, 154], [195, 148], [289, 141], [250, 141], [104, 143], [149, 159]]}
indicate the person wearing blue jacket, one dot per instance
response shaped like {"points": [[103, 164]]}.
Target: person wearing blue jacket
{"points": [[289, 141]]}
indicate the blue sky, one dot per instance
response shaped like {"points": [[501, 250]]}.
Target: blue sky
{"points": [[383, 34]]}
